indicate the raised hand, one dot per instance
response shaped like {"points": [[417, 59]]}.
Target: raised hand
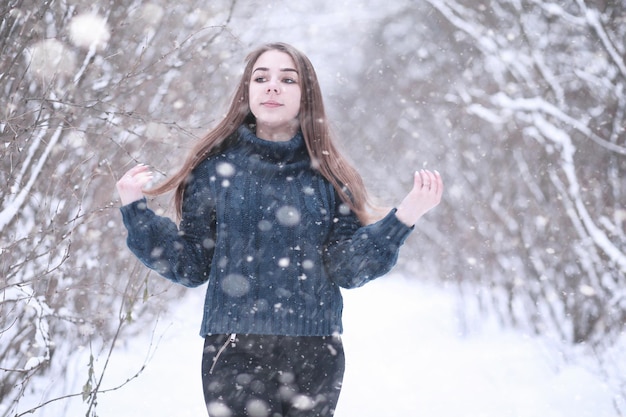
{"points": [[425, 195], [130, 186]]}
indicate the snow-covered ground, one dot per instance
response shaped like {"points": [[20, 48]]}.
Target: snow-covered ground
{"points": [[406, 356]]}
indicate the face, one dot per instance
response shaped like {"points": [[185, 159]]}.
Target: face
{"points": [[275, 96]]}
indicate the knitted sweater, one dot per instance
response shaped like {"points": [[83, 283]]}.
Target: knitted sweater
{"points": [[271, 237]]}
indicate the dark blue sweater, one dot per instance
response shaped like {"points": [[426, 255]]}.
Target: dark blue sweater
{"points": [[271, 237]]}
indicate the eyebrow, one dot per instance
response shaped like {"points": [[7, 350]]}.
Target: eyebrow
{"points": [[282, 69]]}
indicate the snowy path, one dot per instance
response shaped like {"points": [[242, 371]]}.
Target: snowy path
{"points": [[404, 358]]}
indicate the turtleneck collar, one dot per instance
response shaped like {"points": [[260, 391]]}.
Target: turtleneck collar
{"points": [[284, 152]]}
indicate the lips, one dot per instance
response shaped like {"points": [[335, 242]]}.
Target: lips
{"points": [[271, 104]]}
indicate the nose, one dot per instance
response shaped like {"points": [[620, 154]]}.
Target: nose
{"points": [[273, 87]]}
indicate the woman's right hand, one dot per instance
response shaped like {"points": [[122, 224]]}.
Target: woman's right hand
{"points": [[130, 186], [425, 194]]}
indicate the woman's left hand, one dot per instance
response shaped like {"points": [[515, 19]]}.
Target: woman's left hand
{"points": [[425, 195], [130, 186]]}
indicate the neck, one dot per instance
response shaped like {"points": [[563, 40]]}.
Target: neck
{"points": [[277, 134]]}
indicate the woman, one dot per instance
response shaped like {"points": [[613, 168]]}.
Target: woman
{"points": [[274, 218]]}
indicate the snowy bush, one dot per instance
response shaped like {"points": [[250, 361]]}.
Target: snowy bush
{"points": [[87, 92], [521, 105]]}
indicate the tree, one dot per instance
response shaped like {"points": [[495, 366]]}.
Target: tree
{"points": [[521, 103], [85, 90]]}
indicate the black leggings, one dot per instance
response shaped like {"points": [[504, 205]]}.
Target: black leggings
{"points": [[272, 376]]}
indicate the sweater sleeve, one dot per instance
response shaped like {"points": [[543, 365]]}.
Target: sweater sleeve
{"points": [[181, 253], [357, 254]]}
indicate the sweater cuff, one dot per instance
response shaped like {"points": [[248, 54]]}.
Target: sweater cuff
{"points": [[394, 229], [132, 211]]}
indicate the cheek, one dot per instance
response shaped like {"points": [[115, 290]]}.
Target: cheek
{"points": [[251, 92], [298, 107], [298, 98], [252, 100], [297, 101], [253, 109]]}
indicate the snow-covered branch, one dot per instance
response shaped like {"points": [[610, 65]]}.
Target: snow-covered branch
{"points": [[567, 150], [507, 105], [12, 206], [592, 17]]}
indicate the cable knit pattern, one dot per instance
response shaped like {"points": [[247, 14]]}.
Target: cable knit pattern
{"points": [[271, 237]]}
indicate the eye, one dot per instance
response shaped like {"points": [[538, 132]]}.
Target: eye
{"points": [[290, 81], [259, 79]]}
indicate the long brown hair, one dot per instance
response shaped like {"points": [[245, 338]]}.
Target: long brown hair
{"points": [[325, 156]]}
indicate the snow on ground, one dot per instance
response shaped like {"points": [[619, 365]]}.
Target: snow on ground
{"points": [[405, 357]]}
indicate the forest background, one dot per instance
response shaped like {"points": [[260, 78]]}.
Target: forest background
{"points": [[519, 104]]}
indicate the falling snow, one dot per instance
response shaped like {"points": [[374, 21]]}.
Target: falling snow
{"points": [[89, 31], [520, 106]]}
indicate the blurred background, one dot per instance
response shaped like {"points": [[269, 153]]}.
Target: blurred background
{"points": [[520, 104]]}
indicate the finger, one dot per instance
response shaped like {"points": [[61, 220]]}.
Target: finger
{"points": [[422, 177], [439, 182], [432, 181], [434, 185], [143, 177], [427, 179], [421, 180], [417, 180], [136, 170]]}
